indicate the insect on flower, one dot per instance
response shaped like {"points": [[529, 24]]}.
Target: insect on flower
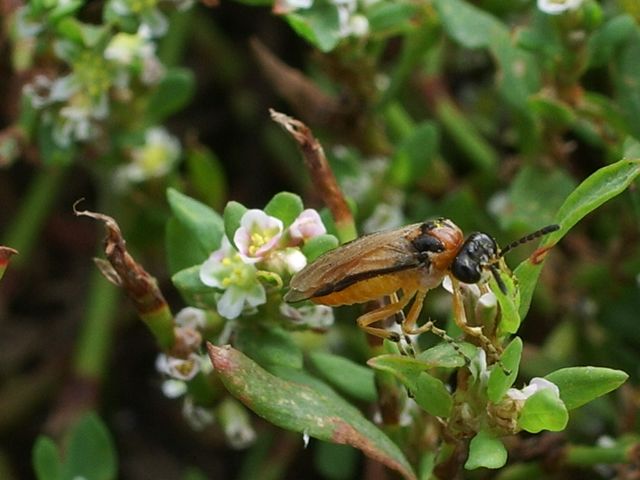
{"points": [[412, 259]]}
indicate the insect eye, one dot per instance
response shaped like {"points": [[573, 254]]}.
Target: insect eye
{"points": [[466, 269], [427, 243]]}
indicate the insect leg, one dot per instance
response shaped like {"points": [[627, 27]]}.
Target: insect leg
{"points": [[409, 326], [407, 349], [460, 318], [380, 314]]}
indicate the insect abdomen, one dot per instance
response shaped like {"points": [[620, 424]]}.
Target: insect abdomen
{"points": [[370, 289]]}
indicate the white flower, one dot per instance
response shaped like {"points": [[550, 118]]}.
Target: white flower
{"points": [[178, 368], [359, 25], [39, 91], [289, 260], [191, 317], [77, 117], [152, 22], [535, 385], [124, 48], [235, 423], [174, 388], [306, 226], [556, 7], [226, 270], [313, 316], [154, 159], [198, 417], [258, 235], [282, 7]]}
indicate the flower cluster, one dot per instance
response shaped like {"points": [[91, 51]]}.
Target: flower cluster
{"points": [[351, 22], [179, 372], [105, 67], [262, 251], [153, 159]]}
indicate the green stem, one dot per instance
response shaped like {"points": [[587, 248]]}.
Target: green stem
{"points": [[173, 44], [586, 456], [23, 233], [398, 121], [95, 340], [466, 136]]}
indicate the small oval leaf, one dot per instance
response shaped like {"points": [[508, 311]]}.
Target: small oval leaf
{"points": [[580, 385], [543, 411], [285, 206], [499, 381], [432, 395], [487, 451], [347, 376]]}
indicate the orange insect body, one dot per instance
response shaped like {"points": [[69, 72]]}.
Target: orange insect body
{"points": [[412, 260]]}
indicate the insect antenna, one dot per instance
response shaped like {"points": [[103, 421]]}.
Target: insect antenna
{"points": [[495, 271], [527, 238]]}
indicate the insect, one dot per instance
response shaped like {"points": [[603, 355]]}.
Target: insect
{"points": [[411, 260]]}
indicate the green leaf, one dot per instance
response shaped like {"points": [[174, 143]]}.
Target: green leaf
{"points": [[391, 17], [285, 206], [347, 376], [232, 215], [448, 355], [468, 25], [91, 453], [195, 292], [599, 187], [304, 409], [201, 227], [207, 176], [509, 316], [432, 395], [627, 83], [316, 246], [499, 382], [535, 194], [486, 451], [268, 346], [414, 155], [603, 43], [580, 385], [405, 369], [64, 9], [474, 28], [189, 280], [179, 256], [172, 94], [318, 25], [543, 411], [46, 459]]}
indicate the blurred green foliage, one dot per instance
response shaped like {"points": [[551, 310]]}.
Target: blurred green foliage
{"points": [[502, 116]]}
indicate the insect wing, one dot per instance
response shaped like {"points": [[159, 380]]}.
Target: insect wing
{"points": [[376, 253]]}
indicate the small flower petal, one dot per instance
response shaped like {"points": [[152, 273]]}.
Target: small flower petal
{"points": [[307, 225], [231, 303], [192, 317], [258, 234], [556, 7]]}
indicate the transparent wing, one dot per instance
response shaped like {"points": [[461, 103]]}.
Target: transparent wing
{"points": [[365, 257]]}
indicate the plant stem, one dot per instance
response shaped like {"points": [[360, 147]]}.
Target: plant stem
{"points": [[478, 150], [95, 340], [23, 233], [585, 455]]}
